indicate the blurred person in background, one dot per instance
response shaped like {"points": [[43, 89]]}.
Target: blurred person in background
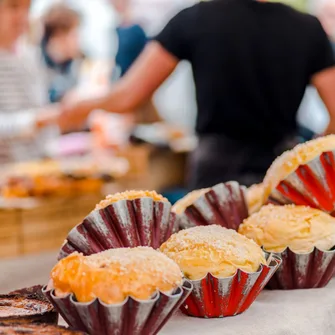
{"points": [[326, 13], [132, 40], [313, 114], [251, 61], [61, 50], [22, 88]]}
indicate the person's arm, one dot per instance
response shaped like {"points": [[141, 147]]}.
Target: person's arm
{"points": [[21, 124], [154, 65], [323, 72], [325, 84], [149, 71]]}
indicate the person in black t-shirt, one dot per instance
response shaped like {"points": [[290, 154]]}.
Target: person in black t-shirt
{"points": [[251, 62]]}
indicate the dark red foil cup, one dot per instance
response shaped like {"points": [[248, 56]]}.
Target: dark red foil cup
{"points": [[214, 297], [132, 317], [312, 184], [303, 271], [224, 204], [126, 223]]}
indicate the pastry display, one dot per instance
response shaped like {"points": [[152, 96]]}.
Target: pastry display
{"points": [[55, 178], [128, 219], [145, 284], [26, 306], [221, 264], [255, 198], [180, 206], [299, 228], [115, 274], [304, 176], [36, 329], [302, 236], [213, 249], [129, 195], [223, 204]]}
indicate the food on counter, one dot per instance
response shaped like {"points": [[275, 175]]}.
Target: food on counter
{"points": [[254, 196], [38, 329], [223, 204], [51, 178], [290, 161], [180, 206], [26, 306], [129, 195], [298, 227], [213, 249], [115, 274], [145, 219], [222, 266]]}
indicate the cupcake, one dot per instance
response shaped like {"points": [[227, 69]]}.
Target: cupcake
{"points": [[223, 204], [304, 176], [128, 219], [254, 197], [302, 236], [127, 290], [26, 306], [227, 270]]}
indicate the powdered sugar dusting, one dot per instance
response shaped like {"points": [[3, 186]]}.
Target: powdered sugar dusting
{"points": [[213, 249]]}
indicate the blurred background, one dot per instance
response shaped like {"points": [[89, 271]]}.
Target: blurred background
{"points": [[73, 46]]}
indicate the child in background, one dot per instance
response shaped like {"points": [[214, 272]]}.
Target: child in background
{"points": [[61, 51], [23, 110]]}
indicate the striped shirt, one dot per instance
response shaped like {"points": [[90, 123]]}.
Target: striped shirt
{"points": [[22, 93]]}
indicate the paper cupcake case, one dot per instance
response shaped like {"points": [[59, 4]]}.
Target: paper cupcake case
{"points": [[303, 271], [126, 223], [224, 204], [214, 297], [132, 317], [312, 184]]}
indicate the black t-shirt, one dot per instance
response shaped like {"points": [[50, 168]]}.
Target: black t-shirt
{"points": [[251, 63]]}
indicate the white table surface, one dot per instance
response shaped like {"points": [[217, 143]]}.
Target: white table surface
{"points": [[301, 312]]}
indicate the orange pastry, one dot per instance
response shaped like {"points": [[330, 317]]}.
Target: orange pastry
{"points": [[115, 274]]}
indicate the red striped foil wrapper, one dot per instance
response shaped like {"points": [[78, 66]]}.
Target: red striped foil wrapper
{"points": [[303, 271], [126, 223], [214, 297], [224, 204], [131, 317], [312, 184]]}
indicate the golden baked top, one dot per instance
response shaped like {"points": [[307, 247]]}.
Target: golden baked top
{"points": [[298, 227], [180, 206], [289, 161], [115, 274], [129, 195], [213, 249], [255, 198]]}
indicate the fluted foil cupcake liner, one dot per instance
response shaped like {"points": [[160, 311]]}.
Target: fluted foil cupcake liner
{"points": [[224, 204], [303, 271], [214, 297], [126, 223], [131, 317], [312, 184]]}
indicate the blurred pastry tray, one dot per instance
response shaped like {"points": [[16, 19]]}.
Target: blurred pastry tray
{"points": [[76, 168], [164, 136]]}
